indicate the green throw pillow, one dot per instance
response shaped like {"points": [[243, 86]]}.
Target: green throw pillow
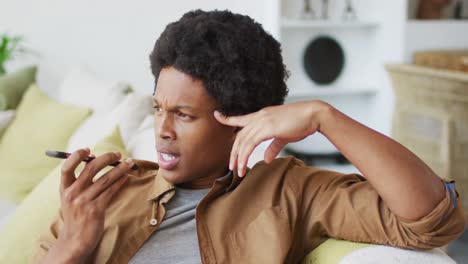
{"points": [[13, 86], [332, 251], [18, 238], [40, 123]]}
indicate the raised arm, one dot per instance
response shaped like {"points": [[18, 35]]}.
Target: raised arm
{"points": [[396, 174], [400, 178]]}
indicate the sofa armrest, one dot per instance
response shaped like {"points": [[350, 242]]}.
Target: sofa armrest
{"points": [[335, 251]]}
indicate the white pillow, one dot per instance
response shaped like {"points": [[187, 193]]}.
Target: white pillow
{"points": [[81, 87], [128, 115], [142, 144], [6, 209], [5, 119], [50, 74], [389, 255]]}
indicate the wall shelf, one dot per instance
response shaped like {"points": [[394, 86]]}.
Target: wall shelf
{"points": [[438, 21], [328, 24], [297, 95]]}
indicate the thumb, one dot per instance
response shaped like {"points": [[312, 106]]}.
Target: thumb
{"points": [[274, 149], [234, 121]]}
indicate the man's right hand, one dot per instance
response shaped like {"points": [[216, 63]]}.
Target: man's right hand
{"points": [[83, 204]]}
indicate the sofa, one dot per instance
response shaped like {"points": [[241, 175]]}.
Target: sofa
{"points": [[100, 106]]}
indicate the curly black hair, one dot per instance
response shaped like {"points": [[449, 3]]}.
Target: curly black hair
{"points": [[239, 63]]}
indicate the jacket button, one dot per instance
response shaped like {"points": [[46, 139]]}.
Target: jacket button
{"points": [[154, 222]]}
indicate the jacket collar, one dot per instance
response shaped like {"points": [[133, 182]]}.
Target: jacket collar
{"points": [[160, 187], [234, 180], [150, 169]]}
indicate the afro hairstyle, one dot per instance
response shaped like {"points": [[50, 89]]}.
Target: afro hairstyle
{"points": [[238, 62]]}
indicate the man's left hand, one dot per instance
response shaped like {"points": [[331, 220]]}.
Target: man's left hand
{"points": [[284, 124]]}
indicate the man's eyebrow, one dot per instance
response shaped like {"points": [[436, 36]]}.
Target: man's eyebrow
{"points": [[175, 107]]}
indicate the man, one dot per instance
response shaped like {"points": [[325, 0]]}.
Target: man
{"points": [[219, 86]]}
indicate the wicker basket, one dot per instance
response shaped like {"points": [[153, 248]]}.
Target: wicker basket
{"points": [[431, 119], [456, 60]]}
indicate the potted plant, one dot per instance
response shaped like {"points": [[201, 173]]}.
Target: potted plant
{"points": [[10, 47]]}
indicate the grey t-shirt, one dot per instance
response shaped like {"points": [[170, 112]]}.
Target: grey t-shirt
{"points": [[176, 239]]}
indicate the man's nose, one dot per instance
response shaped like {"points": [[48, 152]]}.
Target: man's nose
{"points": [[165, 125]]}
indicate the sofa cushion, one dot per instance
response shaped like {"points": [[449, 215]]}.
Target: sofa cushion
{"points": [[81, 87], [128, 115], [335, 251], [332, 251], [5, 120], [40, 123], [13, 86], [6, 209], [34, 215], [141, 144]]}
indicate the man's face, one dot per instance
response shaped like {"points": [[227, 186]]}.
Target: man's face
{"points": [[190, 142]]}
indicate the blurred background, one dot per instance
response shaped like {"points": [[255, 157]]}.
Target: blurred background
{"points": [[400, 67]]}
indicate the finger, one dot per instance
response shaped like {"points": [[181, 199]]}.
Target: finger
{"points": [[274, 149], [235, 148], [253, 139], [103, 200], [104, 182], [69, 166], [233, 155], [93, 167], [234, 121]]}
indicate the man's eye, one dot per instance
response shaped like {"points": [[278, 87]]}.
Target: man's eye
{"points": [[182, 115], [157, 108]]}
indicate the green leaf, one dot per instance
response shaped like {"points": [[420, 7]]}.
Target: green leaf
{"points": [[11, 47], [4, 45]]}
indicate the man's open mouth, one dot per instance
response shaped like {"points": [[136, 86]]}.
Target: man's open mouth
{"points": [[168, 161]]}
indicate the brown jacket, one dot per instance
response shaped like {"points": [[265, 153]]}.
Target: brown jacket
{"points": [[276, 214]]}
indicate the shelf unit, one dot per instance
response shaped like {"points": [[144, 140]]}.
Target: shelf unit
{"points": [[462, 22], [363, 90], [320, 23], [353, 91], [357, 38]]}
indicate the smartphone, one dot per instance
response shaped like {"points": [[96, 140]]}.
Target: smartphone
{"points": [[65, 155]]}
